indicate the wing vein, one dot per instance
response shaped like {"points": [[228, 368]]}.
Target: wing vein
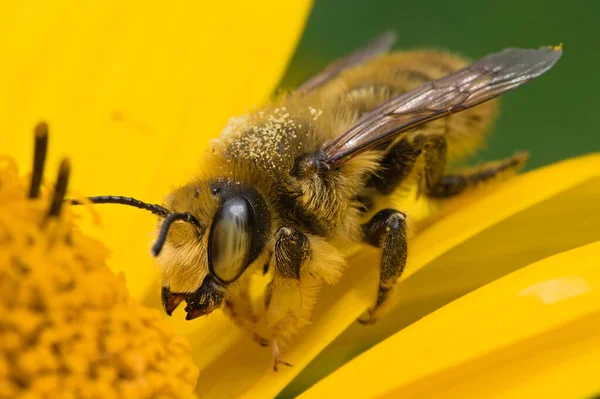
{"points": [[481, 81]]}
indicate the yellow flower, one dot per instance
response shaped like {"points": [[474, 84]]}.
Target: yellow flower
{"points": [[68, 326], [500, 299], [135, 91]]}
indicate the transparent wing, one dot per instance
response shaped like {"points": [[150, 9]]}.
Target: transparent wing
{"points": [[479, 82], [381, 45]]}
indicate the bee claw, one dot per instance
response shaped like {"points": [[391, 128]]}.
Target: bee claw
{"points": [[276, 357], [260, 340], [279, 361], [367, 319]]}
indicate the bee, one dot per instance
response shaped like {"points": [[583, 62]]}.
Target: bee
{"points": [[286, 189]]}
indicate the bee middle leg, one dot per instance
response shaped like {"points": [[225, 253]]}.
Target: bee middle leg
{"points": [[284, 296], [386, 230]]}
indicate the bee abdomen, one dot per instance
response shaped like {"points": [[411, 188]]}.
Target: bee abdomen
{"points": [[365, 87]]}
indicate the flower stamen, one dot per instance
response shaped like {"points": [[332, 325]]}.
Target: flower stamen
{"points": [[68, 323], [60, 189], [39, 159]]}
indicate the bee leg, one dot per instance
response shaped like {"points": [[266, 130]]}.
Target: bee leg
{"points": [[399, 161], [277, 357], [386, 230], [236, 307], [453, 184], [284, 296]]}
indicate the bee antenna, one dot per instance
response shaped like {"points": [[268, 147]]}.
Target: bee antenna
{"points": [[112, 199], [164, 228]]}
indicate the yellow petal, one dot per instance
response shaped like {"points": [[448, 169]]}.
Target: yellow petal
{"points": [[525, 219], [133, 90], [220, 346], [533, 333]]}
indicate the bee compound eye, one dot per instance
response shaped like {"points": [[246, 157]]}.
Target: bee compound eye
{"points": [[230, 239]]}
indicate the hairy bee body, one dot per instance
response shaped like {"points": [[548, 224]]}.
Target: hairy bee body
{"points": [[261, 150], [286, 190]]}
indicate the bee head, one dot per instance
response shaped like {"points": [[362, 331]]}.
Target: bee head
{"points": [[208, 235], [227, 225]]}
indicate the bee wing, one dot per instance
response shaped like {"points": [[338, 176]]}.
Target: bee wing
{"points": [[479, 82], [382, 44]]}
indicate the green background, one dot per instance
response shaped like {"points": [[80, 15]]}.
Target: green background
{"points": [[553, 117]]}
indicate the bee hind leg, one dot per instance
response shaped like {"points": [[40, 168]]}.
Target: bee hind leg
{"points": [[400, 160], [386, 230], [452, 184]]}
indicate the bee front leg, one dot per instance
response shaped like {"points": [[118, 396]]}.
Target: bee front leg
{"points": [[286, 310], [386, 230], [238, 309]]}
